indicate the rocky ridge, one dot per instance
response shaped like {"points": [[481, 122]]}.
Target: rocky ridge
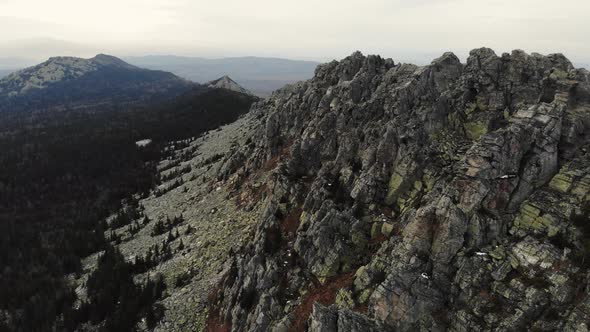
{"points": [[445, 197], [381, 196]]}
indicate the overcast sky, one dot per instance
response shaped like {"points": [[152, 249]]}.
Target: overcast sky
{"points": [[306, 29]]}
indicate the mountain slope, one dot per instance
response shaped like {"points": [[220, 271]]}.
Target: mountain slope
{"points": [[69, 81], [61, 175]]}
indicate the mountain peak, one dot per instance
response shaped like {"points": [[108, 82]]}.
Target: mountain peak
{"points": [[86, 64], [80, 78], [225, 82], [109, 60], [55, 69]]}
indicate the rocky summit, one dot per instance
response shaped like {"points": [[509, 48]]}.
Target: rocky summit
{"points": [[402, 198], [381, 196]]}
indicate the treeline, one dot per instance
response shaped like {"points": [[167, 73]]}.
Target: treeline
{"points": [[162, 227], [61, 176]]}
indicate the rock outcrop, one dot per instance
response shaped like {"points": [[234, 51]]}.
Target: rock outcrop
{"points": [[445, 197]]}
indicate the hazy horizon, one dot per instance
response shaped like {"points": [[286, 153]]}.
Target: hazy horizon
{"points": [[407, 31]]}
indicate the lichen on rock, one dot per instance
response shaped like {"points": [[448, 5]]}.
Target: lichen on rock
{"points": [[441, 194]]}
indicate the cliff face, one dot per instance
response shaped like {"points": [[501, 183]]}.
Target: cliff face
{"points": [[450, 196]]}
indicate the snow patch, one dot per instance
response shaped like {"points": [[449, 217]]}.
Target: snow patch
{"points": [[144, 142]]}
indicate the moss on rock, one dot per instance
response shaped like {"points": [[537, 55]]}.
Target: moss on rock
{"points": [[475, 129], [344, 299], [561, 182], [395, 183]]}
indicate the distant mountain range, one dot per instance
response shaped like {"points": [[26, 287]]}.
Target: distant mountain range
{"points": [[257, 74], [75, 82]]}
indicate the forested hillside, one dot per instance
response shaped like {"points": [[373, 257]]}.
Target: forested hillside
{"points": [[61, 175]]}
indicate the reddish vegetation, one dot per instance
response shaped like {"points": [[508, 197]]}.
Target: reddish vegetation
{"points": [[271, 163], [387, 211], [216, 324], [485, 294], [274, 161], [290, 224], [380, 238], [245, 192], [441, 317], [362, 309], [561, 265], [249, 195], [324, 294], [214, 293]]}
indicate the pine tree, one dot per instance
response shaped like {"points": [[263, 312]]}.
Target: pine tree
{"points": [[189, 230], [159, 228]]}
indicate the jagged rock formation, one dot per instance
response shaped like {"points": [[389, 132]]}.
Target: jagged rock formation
{"points": [[416, 198], [226, 82]]}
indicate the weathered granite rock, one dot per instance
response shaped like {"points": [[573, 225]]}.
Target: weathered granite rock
{"points": [[432, 198]]}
